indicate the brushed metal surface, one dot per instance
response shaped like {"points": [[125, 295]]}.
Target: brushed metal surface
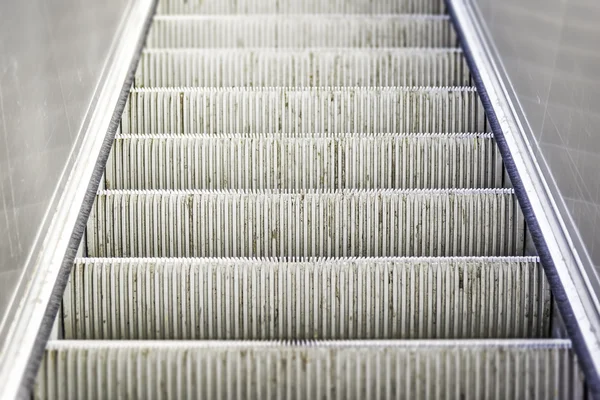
{"points": [[52, 55], [549, 50], [58, 92]]}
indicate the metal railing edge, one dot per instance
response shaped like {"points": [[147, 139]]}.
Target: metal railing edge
{"points": [[34, 313], [563, 265]]}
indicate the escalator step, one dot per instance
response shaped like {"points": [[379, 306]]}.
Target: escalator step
{"points": [[499, 369], [302, 30], [385, 161], [302, 68], [301, 7], [305, 224], [378, 298], [314, 110], [303, 201]]}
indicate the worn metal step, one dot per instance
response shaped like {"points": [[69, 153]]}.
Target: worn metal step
{"points": [[204, 7], [315, 171], [302, 68], [387, 161], [357, 298], [273, 223], [490, 369], [302, 30], [303, 110]]}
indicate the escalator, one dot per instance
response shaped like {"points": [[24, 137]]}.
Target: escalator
{"points": [[305, 200]]}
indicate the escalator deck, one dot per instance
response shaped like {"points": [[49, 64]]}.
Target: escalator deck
{"points": [[303, 200]]}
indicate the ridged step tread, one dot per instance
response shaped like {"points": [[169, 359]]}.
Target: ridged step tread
{"points": [[299, 110], [492, 369], [379, 298], [302, 68], [387, 161], [381, 100], [274, 223], [300, 7], [301, 30]]}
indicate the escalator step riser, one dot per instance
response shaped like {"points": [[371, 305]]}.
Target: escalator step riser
{"points": [[216, 370], [302, 68], [316, 110], [267, 162], [301, 31], [309, 224], [307, 299], [301, 7]]}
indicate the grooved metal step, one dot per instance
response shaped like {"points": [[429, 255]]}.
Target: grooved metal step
{"points": [[317, 171], [314, 110], [305, 224], [386, 161], [301, 30], [220, 298], [302, 68], [300, 7], [500, 369]]}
